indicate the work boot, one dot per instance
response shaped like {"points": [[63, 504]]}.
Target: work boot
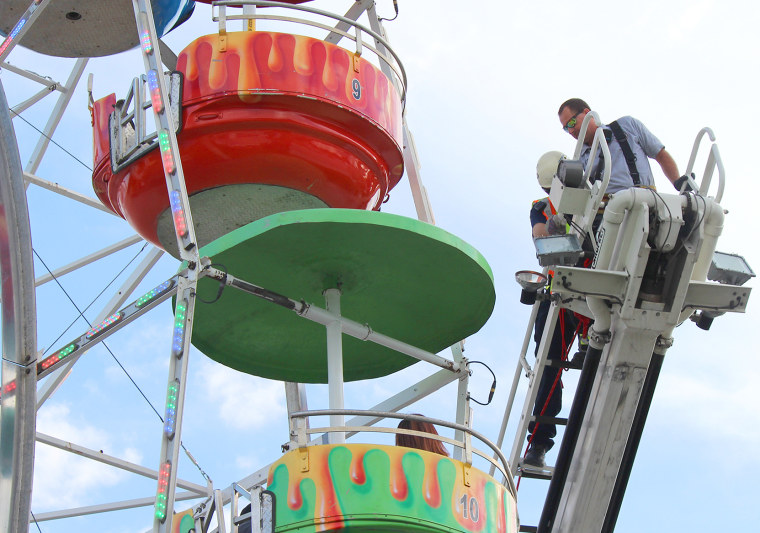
{"points": [[577, 359], [580, 355], [536, 456]]}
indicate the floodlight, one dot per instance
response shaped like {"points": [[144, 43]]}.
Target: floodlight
{"points": [[570, 173], [530, 282], [561, 250], [731, 269]]}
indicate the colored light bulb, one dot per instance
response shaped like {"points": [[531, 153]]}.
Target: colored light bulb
{"points": [[154, 293], [12, 35], [179, 328], [103, 326], [166, 151], [57, 356], [170, 418], [147, 46], [155, 92], [162, 491], [180, 222]]}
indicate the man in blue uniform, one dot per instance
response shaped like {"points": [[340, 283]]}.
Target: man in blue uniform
{"points": [[631, 146]]}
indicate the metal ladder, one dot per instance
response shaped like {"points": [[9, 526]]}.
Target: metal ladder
{"points": [[534, 374]]}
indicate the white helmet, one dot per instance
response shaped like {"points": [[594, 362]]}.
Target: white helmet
{"points": [[546, 167]]}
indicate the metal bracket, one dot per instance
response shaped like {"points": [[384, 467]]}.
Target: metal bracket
{"points": [[716, 297], [573, 282], [222, 29], [663, 343], [303, 457], [599, 338]]}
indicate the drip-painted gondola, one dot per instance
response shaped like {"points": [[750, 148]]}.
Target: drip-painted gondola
{"points": [[267, 122]]}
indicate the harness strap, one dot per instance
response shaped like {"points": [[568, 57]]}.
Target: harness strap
{"points": [[630, 157]]}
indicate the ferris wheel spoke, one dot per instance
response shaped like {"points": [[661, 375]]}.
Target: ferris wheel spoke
{"points": [[58, 376], [68, 193]]}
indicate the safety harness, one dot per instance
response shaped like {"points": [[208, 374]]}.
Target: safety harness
{"points": [[630, 157]]}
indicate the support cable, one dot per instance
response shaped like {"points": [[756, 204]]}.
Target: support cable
{"points": [[35, 521], [51, 140], [93, 300], [203, 473]]}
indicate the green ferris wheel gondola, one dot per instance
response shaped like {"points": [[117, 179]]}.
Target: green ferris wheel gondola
{"points": [[404, 278]]}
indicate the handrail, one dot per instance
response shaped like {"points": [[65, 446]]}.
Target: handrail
{"points": [[400, 72], [695, 147], [599, 141], [597, 193], [503, 468], [713, 160]]}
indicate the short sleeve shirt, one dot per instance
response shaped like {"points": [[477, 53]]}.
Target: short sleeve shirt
{"points": [[643, 145]]}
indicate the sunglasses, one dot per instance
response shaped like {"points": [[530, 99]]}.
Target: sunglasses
{"points": [[572, 122]]}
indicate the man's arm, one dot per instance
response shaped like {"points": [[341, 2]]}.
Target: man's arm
{"points": [[539, 230], [668, 165]]}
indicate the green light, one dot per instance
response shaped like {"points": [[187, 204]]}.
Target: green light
{"points": [[164, 145], [170, 414], [107, 323], [57, 356], [154, 293], [163, 489], [179, 328]]}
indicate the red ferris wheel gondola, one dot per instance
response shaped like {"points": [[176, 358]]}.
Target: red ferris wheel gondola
{"points": [[268, 122]]}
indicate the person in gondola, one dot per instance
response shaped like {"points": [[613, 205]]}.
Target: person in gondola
{"points": [[421, 443]]}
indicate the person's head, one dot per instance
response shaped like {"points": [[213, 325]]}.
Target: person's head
{"points": [[571, 114], [421, 443], [546, 168]]}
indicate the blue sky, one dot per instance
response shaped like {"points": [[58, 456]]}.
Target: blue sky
{"points": [[484, 86]]}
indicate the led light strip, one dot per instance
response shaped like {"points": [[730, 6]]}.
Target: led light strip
{"points": [[154, 293], [179, 328], [170, 415], [103, 326]]}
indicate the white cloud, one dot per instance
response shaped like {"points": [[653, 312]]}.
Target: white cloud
{"points": [[242, 401], [62, 479], [719, 409]]}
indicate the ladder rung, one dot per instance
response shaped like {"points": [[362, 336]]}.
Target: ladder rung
{"points": [[529, 473], [549, 420], [528, 529], [567, 365]]}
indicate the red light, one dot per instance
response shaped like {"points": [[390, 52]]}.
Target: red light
{"points": [[107, 323], [180, 223], [166, 151], [163, 490], [47, 363], [147, 46], [155, 93]]}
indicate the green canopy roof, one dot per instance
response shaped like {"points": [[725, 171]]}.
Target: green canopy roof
{"points": [[405, 278]]}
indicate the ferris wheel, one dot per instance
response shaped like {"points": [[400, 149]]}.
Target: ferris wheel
{"points": [[230, 247], [277, 150]]}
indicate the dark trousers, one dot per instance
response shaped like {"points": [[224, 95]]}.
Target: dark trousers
{"points": [[544, 434]]}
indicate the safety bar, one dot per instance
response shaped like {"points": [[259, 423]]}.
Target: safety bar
{"points": [[713, 160], [396, 66], [599, 140], [301, 432]]}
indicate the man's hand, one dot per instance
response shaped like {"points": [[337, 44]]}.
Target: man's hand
{"points": [[684, 180]]}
